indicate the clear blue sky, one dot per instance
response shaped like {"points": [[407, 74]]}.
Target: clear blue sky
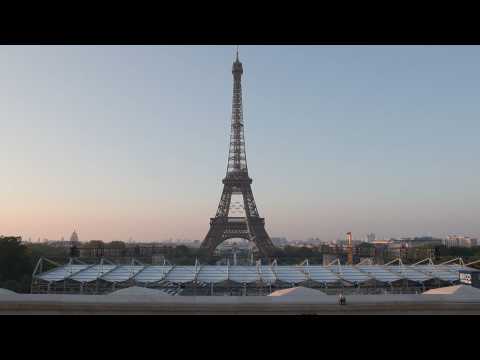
{"points": [[132, 141]]}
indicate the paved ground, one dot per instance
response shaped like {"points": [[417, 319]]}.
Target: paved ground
{"points": [[186, 305]]}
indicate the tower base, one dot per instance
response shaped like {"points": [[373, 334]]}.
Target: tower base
{"points": [[224, 228]]}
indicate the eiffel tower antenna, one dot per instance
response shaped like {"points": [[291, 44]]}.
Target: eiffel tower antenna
{"points": [[237, 182], [237, 51]]}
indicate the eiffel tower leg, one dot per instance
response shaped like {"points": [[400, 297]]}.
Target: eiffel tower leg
{"points": [[218, 227], [255, 224], [249, 202], [224, 205], [260, 236], [218, 224]]}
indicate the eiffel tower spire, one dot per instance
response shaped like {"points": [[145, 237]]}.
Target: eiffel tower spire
{"points": [[237, 182], [237, 159]]}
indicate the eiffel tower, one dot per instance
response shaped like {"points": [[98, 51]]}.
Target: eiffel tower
{"points": [[250, 225]]}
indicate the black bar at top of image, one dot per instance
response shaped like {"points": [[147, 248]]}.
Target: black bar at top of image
{"points": [[288, 34]]}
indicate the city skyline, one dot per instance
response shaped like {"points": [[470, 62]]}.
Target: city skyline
{"points": [[131, 141], [357, 237]]}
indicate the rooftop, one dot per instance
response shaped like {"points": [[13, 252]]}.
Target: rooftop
{"points": [[267, 274]]}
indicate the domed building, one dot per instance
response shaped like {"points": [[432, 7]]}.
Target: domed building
{"points": [[74, 237]]}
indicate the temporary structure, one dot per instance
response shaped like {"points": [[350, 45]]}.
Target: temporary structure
{"points": [[138, 291], [297, 292], [7, 292], [457, 290]]}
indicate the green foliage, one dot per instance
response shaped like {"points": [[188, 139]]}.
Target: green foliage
{"points": [[115, 245], [18, 260], [36, 251], [183, 255], [443, 251], [15, 264], [292, 255]]}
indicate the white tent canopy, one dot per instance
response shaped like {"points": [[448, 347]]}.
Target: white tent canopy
{"points": [[136, 290], [7, 292], [464, 291], [267, 274], [297, 292]]}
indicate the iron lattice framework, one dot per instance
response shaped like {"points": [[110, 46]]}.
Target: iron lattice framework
{"points": [[250, 226]]}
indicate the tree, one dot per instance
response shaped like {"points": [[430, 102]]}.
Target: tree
{"points": [[36, 251], [116, 245], [15, 264]]}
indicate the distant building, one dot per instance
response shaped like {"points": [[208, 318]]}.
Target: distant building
{"points": [[396, 249], [330, 258], [196, 243], [17, 238], [365, 250], [118, 249], [382, 242], [341, 242], [370, 237], [158, 259], [419, 241], [63, 243], [382, 250], [74, 237], [279, 241], [460, 241]]}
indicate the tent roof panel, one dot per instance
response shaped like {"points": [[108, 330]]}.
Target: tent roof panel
{"points": [[92, 273], [61, 273], [153, 273], [243, 274], [379, 273], [212, 274], [350, 273], [250, 274], [181, 274], [290, 274], [122, 273], [321, 274]]}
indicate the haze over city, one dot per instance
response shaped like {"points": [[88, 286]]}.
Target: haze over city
{"points": [[132, 141]]}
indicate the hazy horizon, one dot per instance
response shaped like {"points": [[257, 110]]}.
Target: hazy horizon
{"points": [[132, 141]]}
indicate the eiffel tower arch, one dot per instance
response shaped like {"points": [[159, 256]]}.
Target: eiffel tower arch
{"points": [[250, 225]]}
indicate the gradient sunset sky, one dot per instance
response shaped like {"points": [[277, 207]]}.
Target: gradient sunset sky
{"points": [[132, 141]]}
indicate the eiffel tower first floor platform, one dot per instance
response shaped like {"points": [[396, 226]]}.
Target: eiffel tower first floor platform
{"points": [[252, 229]]}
